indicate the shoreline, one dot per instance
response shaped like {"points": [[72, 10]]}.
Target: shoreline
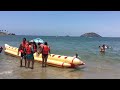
{"points": [[93, 70]]}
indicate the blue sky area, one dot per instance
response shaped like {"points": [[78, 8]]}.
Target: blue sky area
{"points": [[61, 23]]}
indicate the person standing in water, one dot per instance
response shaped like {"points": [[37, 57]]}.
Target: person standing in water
{"points": [[102, 49], [29, 55], [45, 51], [22, 51]]}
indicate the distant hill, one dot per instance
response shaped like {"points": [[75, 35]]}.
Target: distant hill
{"points": [[91, 34], [4, 33]]}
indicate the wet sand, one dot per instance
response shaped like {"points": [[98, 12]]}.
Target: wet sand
{"points": [[9, 69]]}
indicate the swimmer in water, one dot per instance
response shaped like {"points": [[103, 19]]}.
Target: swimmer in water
{"points": [[76, 55], [102, 49]]}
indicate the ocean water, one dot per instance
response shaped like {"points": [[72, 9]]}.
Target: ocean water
{"points": [[98, 65]]}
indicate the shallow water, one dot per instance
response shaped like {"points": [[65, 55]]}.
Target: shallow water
{"points": [[98, 66]]}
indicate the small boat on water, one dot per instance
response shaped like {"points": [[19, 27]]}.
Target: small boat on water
{"points": [[53, 59]]}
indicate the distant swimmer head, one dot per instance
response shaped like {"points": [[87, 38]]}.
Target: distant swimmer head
{"points": [[103, 45]]}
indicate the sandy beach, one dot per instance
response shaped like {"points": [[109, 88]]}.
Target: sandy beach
{"points": [[11, 70]]}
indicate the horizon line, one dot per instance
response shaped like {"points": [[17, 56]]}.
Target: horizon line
{"points": [[62, 36]]}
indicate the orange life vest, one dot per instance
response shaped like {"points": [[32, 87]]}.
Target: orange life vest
{"points": [[28, 50], [46, 49]]}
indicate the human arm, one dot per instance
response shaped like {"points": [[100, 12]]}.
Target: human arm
{"points": [[19, 49]]}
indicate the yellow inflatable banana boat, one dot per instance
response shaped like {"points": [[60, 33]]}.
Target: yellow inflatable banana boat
{"points": [[53, 59]]}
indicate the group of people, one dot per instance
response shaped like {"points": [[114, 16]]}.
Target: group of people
{"points": [[27, 49], [103, 47]]}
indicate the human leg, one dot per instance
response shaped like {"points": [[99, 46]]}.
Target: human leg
{"points": [[46, 57], [21, 58], [43, 58], [32, 61]]}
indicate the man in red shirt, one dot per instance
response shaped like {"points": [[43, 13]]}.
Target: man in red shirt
{"points": [[45, 51], [22, 51]]}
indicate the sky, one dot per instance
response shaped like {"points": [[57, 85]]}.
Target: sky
{"points": [[61, 23]]}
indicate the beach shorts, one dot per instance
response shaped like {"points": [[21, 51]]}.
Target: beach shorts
{"points": [[29, 57], [44, 55], [23, 55]]}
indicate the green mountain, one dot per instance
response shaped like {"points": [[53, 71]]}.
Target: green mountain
{"points": [[90, 34]]}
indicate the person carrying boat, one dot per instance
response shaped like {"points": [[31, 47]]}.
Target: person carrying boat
{"points": [[1, 48], [45, 51], [22, 51], [29, 54]]}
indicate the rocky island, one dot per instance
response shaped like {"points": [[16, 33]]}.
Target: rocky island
{"points": [[91, 34], [2, 33], [5, 33]]}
